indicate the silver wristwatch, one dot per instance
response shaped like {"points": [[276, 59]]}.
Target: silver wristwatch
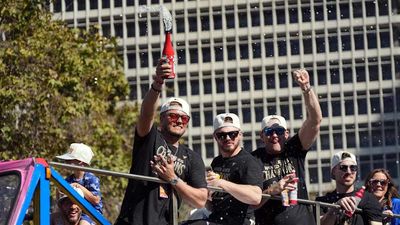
{"points": [[174, 180]]}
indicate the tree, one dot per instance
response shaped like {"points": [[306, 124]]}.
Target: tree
{"points": [[61, 85]]}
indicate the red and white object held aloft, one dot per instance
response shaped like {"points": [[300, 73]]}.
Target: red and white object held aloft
{"points": [[169, 54], [358, 196]]}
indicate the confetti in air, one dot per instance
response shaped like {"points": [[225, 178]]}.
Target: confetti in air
{"points": [[164, 13]]}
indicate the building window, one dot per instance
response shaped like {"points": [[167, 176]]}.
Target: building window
{"points": [[131, 60], [360, 73], [346, 42], [313, 171], [155, 27], [219, 53], [217, 19], [194, 86], [192, 23], [130, 26], [244, 51], [370, 8], [331, 10], [333, 43], [242, 18], [306, 13], [230, 19], [349, 106], [258, 84], [207, 86], [334, 75], [220, 85], [256, 49], [206, 54], [209, 150], [307, 44], [365, 166], [383, 7], [293, 16], [269, 49], [371, 36], [358, 41], [280, 14], [232, 84], [193, 52], [105, 4], [364, 139], [182, 87], [268, 17], [324, 141], [344, 11], [391, 165], [231, 48], [245, 82], [357, 10], [336, 108], [255, 17], [318, 13], [205, 22], [294, 47], [321, 77], [282, 47], [350, 139], [347, 75]]}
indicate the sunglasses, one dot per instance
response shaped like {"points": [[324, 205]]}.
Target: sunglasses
{"points": [[381, 182], [270, 131], [223, 135], [174, 117], [344, 168]]}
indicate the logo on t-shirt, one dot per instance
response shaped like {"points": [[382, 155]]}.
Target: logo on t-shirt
{"points": [[277, 168]]}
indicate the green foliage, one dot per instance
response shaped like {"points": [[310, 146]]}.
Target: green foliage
{"points": [[61, 85]]}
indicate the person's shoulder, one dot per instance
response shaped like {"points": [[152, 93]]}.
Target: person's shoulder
{"points": [[328, 197], [258, 152]]}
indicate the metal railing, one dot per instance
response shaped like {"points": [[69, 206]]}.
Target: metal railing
{"points": [[174, 221]]}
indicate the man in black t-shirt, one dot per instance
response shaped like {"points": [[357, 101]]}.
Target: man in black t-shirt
{"points": [[158, 153], [283, 160], [236, 172], [344, 171]]}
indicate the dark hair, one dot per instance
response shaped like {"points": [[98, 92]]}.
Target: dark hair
{"points": [[391, 187]]}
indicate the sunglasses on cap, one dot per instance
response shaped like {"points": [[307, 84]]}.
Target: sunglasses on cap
{"points": [[344, 168], [268, 131], [174, 117], [382, 182], [223, 135]]}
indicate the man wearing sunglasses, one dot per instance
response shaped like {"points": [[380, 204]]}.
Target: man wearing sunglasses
{"points": [[344, 171], [283, 160], [236, 172], [158, 153]]}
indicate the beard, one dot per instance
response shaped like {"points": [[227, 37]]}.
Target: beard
{"points": [[229, 148]]}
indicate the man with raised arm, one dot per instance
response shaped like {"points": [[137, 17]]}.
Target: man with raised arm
{"points": [[158, 153], [283, 160]]}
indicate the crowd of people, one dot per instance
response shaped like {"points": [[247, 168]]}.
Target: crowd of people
{"points": [[275, 169]]}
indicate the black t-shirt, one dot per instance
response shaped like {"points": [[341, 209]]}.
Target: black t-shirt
{"points": [[240, 169], [371, 209], [275, 167], [145, 203]]}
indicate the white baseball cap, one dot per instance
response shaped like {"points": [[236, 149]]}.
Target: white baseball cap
{"points": [[79, 152], [181, 105], [273, 120], [341, 156], [64, 196], [226, 120]]}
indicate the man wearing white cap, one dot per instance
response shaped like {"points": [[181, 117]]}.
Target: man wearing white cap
{"points": [[70, 213], [344, 171], [158, 153], [81, 155], [236, 172], [283, 160]]}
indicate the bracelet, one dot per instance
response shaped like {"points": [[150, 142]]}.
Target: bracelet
{"points": [[155, 90], [307, 89]]}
